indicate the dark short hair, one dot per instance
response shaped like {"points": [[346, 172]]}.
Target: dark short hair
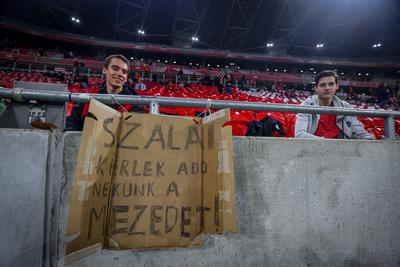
{"points": [[107, 61], [326, 73]]}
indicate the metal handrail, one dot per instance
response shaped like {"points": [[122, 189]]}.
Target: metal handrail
{"points": [[21, 95]]}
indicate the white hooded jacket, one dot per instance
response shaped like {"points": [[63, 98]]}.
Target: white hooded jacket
{"points": [[351, 128]]}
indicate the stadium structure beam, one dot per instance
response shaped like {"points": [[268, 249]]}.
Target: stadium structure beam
{"points": [[188, 19], [174, 24], [253, 17], [238, 24], [299, 22], [54, 7], [227, 20], [346, 31], [130, 15], [277, 28], [288, 22], [51, 11], [201, 18]]}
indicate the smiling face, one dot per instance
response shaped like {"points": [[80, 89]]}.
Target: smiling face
{"points": [[116, 75], [326, 89]]}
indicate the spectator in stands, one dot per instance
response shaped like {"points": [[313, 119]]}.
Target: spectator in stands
{"points": [[217, 83], [154, 78], [398, 94], [84, 82], [82, 66], [116, 69], [383, 93], [194, 77], [326, 125], [140, 85], [242, 83], [76, 67], [180, 75]]}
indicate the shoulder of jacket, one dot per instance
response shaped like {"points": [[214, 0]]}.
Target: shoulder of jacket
{"points": [[311, 100], [343, 103]]}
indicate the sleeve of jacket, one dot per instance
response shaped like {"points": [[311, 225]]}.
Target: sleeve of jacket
{"points": [[358, 131], [301, 126], [357, 128], [75, 121]]}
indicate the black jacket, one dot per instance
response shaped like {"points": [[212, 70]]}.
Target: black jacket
{"points": [[76, 119]]}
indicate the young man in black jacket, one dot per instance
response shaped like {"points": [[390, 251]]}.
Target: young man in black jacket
{"points": [[116, 69]]}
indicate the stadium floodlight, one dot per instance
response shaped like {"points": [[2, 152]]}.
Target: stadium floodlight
{"points": [[174, 62], [131, 58], [342, 73], [166, 61], [267, 69], [367, 74], [359, 74], [270, 44], [276, 70], [208, 65], [284, 70], [320, 45], [217, 66], [75, 19], [195, 39], [197, 64], [141, 59], [238, 68], [141, 32], [311, 68], [315, 72], [377, 45], [158, 60], [190, 63], [301, 71]]}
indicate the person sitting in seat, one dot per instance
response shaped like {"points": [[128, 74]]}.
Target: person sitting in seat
{"points": [[327, 125], [116, 69], [140, 85]]}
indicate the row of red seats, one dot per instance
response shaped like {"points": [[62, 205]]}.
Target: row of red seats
{"points": [[239, 118]]}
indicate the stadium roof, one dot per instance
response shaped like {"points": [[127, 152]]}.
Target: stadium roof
{"points": [[346, 28]]}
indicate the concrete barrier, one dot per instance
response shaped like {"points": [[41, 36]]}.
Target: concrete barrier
{"points": [[30, 175], [300, 203], [23, 172]]}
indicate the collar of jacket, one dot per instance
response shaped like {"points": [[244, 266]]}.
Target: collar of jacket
{"points": [[336, 103], [125, 90]]}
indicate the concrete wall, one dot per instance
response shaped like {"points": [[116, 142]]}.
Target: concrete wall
{"points": [[300, 203], [23, 172]]}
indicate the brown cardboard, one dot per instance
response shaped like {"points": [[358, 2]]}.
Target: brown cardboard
{"points": [[161, 157], [219, 200], [151, 181], [88, 210]]}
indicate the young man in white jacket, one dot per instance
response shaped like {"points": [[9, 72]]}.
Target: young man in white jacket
{"points": [[328, 125]]}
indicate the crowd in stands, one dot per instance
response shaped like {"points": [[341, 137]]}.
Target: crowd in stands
{"points": [[385, 97], [223, 89], [208, 84], [7, 45]]}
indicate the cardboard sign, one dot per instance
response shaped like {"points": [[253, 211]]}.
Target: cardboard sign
{"points": [[147, 181]]}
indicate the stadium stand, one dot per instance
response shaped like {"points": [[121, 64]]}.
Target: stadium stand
{"points": [[239, 118], [300, 202]]}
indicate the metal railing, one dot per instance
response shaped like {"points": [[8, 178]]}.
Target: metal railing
{"points": [[22, 95]]}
